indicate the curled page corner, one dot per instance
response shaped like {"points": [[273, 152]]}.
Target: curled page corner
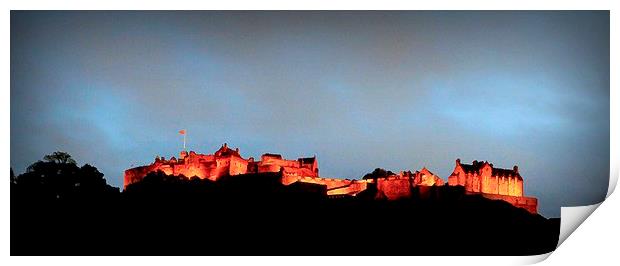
{"points": [[613, 177], [572, 217], [528, 260]]}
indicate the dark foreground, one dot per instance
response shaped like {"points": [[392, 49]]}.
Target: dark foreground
{"points": [[256, 215]]}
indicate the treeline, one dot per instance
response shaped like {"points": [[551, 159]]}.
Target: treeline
{"points": [[59, 208]]}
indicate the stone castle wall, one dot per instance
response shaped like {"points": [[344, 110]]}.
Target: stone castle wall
{"points": [[502, 185], [393, 188], [528, 203]]}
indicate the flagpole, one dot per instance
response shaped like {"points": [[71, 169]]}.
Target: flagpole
{"points": [[184, 139]]}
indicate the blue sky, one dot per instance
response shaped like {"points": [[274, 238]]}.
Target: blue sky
{"points": [[398, 90]]}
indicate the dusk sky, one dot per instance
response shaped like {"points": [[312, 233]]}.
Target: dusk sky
{"points": [[397, 90]]}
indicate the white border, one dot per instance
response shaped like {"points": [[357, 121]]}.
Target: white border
{"points": [[580, 247]]}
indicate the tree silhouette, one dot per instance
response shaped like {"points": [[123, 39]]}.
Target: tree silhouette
{"points": [[58, 177], [377, 173], [59, 157]]}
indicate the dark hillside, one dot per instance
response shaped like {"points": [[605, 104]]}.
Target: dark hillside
{"points": [[256, 215]]}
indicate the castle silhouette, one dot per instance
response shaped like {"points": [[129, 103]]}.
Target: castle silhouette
{"points": [[480, 178]]}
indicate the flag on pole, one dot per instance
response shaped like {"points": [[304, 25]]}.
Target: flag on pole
{"points": [[182, 132]]}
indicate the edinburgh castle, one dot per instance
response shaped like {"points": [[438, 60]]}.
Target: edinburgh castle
{"points": [[480, 178]]}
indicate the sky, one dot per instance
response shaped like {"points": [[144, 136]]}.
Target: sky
{"points": [[360, 90]]}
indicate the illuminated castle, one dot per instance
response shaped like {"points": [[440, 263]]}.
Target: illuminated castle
{"points": [[478, 178], [493, 183], [224, 162]]}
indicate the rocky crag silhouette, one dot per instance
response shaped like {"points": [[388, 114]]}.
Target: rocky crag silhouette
{"points": [[58, 208]]}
